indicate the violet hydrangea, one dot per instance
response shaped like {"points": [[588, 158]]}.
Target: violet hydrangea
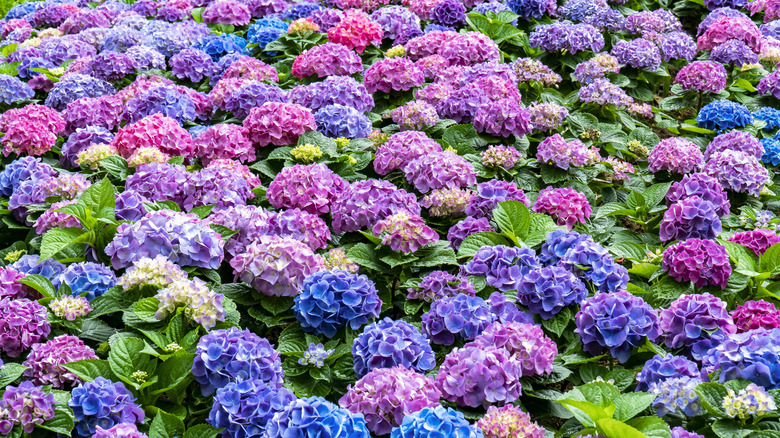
{"points": [[702, 262], [387, 343]]}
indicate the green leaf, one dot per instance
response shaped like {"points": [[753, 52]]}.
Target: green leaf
{"points": [[100, 198], [276, 305], [628, 250], [57, 239], [292, 339], [10, 372], [513, 219], [711, 398], [145, 309], [365, 255], [745, 84], [581, 122], [173, 371], [558, 323], [40, 284], [587, 413], [652, 427], [116, 166], [552, 174], [434, 255], [612, 208], [202, 431], [655, 194], [62, 422], [614, 428], [166, 425], [729, 428], [474, 242], [202, 211], [770, 260], [463, 138], [89, 369], [631, 404], [224, 232], [125, 357]]}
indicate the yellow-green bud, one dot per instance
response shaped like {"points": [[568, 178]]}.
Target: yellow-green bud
{"points": [[306, 153], [395, 52], [140, 376], [15, 255]]}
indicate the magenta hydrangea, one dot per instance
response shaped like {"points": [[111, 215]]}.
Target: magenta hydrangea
{"points": [[278, 123], [503, 118], [440, 169], [477, 375], [392, 74], [224, 141], [702, 76], [404, 231], [702, 262], [386, 395], [676, 155], [31, 130], [566, 205], [557, 151], [10, 287], [276, 266], [329, 59], [46, 359], [402, 148], [22, 325], [155, 131], [727, 28], [755, 314], [312, 188], [227, 12], [758, 240], [527, 343], [692, 318], [689, 218]]}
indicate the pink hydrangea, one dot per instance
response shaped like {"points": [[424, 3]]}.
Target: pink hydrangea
{"points": [[432, 65], [402, 148], [702, 76], [428, 44], [470, 48], [405, 232], [440, 169], [758, 240], [220, 94], [312, 188], [31, 130], [386, 395], [247, 67], [237, 168], [526, 342], [155, 131], [45, 361], [731, 28], [560, 153], [479, 376], [675, 155], [10, 287], [226, 12], [393, 74], [755, 314], [278, 123], [509, 422], [356, 31], [329, 59], [566, 205], [224, 141], [503, 118]]}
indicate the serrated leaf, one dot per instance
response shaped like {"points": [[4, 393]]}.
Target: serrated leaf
{"points": [[57, 239], [631, 404], [10, 372], [474, 242], [89, 369], [364, 255], [513, 219], [166, 425], [41, 284]]}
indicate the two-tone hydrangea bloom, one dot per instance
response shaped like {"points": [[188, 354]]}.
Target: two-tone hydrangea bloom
{"points": [[26, 406], [158, 272], [661, 368], [735, 53], [278, 123], [23, 324], [560, 153], [356, 31], [51, 219], [387, 343], [312, 188], [31, 130], [509, 421], [404, 231], [702, 262], [183, 238], [566, 205], [593, 262], [450, 202], [637, 53], [753, 401], [402, 148], [329, 59], [477, 375], [531, 70], [500, 157], [546, 291], [330, 300], [602, 93], [755, 314], [88, 279], [386, 396], [23, 169], [69, 307], [616, 321], [691, 318], [702, 76], [690, 218], [502, 266], [434, 422], [105, 403], [676, 395], [675, 155], [244, 408], [737, 171], [567, 36], [415, 115], [727, 28], [201, 304], [703, 186], [315, 355], [233, 355], [318, 417], [723, 114], [527, 343], [365, 202], [30, 264], [46, 359], [439, 169]]}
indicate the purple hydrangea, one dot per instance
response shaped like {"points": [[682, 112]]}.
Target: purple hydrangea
{"points": [[661, 368], [276, 266], [490, 193], [111, 66], [503, 118], [75, 86], [23, 169], [593, 262], [465, 228], [342, 121], [80, 140], [702, 76], [770, 84], [312, 188], [183, 238], [758, 240], [691, 318], [688, 218], [396, 20], [562, 154], [567, 36], [27, 406], [546, 291], [703, 186], [46, 359], [392, 74], [638, 53], [402, 148], [342, 90], [450, 13], [12, 89], [330, 300], [527, 343], [439, 169], [365, 202], [702, 262], [105, 403], [734, 52], [737, 171], [678, 45], [753, 355], [557, 244], [22, 324], [602, 92], [675, 155], [415, 115], [615, 321], [388, 343], [253, 94], [547, 116], [477, 375], [466, 316], [122, 430], [440, 284], [502, 266], [232, 355], [735, 140], [244, 408]]}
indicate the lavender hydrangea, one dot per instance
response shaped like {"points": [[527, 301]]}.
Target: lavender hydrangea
{"points": [[490, 193], [691, 318], [465, 228], [342, 121], [312, 188], [677, 395], [675, 155], [547, 290], [466, 316], [23, 325], [567, 36], [502, 266], [477, 375], [27, 406], [737, 171], [244, 408], [438, 170], [661, 368], [388, 343]]}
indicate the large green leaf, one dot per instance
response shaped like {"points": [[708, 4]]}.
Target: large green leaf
{"points": [[474, 242], [614, 428], [711, 398], [10, 372], [166, 425], [631, 404], [202, 431], [513, 219], [99, 197], [89, 369], [57, 239], [365, 255]]}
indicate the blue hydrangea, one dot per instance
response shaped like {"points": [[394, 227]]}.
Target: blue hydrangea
{"points": [[91, 279], [342, 121], [770, 116], [579, 10], [244, 408], [722, 115], [265, 30], [20, 10], [466, 316], [129, 206], [300, 10], [593, 262], [218, 46], [12, 89], [22, 169], [433, 27], [33, 62], [502, 266], [165, 100], [102, 403], [388, 343], [197, 130], [753, 355], [120, 38], [528, 9], [49, 268], [316, 417], [771, 151], [234, 355], [546, 291], [252, 95], [74, 87], [333, 299], [558, 244], [660, 368], [677, 395], [438, 422]]}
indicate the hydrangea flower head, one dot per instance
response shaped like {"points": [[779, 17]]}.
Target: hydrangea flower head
{"points": [[102, 402], [546, 291], [315, 415], [312, 188], [477, 375], [691, 318], [278, 123], [404, 231], [566, 205], [690, 218], [387, 343], [676, 395], [755, 314], [27, 406], [509, 421], [702, 262], [526, 342], [661, 368], [702, 76], [46, 359], [244, 408], [22, 325]]}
